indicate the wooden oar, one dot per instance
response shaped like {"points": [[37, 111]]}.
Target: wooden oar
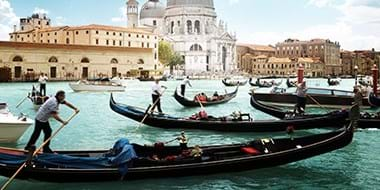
{"points": [[315, 101], [151, 108], [22, 101], [36, 152], [200, 103]]}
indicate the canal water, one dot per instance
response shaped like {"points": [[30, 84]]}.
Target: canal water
{"points": [[98, 127]]}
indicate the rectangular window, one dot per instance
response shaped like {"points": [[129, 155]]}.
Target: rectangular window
{"points": [[97, 41], [154, 22], [147, 45], [107, 33], [55, 41], [76, 32], [142, 44], [114, 33], [55, 33], [120, 43], [129, 44], [114, 42], [53, 72], [114, 71], [87, 32], [67, 33], [107, 42], [120, 34], [48, 41], [84, 72], [17, 72], [97, 32]]}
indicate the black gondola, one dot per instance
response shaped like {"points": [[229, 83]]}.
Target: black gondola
{"points": [[374, 100], [366, 120], [151, 79], [225, 124], [290, 84], [331, 82], [261, 153], [260, 84], [233, 82], [194, 103], [36, 99]]}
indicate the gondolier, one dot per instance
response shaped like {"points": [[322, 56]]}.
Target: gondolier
{"points": [[47, 110], [185, 82], [301, 98], [42, 81], [156, 95]]}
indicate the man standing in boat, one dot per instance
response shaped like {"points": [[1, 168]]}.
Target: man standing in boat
{"points": [[42, 81], [185, 82], [47, 110], [156, 95], [301, 98]]}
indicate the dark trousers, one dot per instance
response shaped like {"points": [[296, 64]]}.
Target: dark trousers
{"points": [[183, 88], [301, 103], [40, 126], [158, 104], [43, 88]]}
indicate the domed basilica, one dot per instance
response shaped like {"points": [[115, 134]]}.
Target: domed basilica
{"points": [[191, 26]]}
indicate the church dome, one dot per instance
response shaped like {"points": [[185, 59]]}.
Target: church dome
{"points": [[202, 3], [152, 9]]}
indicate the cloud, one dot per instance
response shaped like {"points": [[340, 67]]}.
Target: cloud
{"points": [[122, 16], [60, 21], [7, 19], [234, 1], [355, 28], [38, 10]]}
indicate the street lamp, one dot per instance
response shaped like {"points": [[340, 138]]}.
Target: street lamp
{"points": [[356, 74]]}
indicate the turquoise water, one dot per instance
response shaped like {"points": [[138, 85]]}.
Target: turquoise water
{"points": [[98, 127]]}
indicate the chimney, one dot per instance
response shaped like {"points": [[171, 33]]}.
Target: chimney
{"points": [[14, 28]]}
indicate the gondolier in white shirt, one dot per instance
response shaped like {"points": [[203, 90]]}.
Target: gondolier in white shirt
{"points": [[42, 81], [47, 110], [156, 95], [185, 82]]}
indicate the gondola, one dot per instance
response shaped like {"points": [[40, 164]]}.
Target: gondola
{"points": [[330, 98], [366, 121], [234, 82], [151, 79], [374, 100], [290, 84], [194, 103], [259, 84], [260, 153], [332, 82], [226, 124], [36, 99]]}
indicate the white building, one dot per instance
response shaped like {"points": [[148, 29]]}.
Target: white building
{"points": [[192, 28]]}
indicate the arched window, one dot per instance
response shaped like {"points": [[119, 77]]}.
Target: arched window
{"points": [[114, 61], [196, 47], [189, 27], [53, 60], [172, 27], [17, 59], [197, 27], [85, 60]]}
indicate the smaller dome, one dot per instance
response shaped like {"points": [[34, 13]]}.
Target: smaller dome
{"points": [[152, 9]]}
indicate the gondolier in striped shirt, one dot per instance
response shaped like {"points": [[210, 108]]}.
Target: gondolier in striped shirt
{"points": [[301, 98], [156, 95], [185, 82], [47, 110]]}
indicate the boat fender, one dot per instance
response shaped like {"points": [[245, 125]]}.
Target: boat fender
{"points": [[250, 150]]}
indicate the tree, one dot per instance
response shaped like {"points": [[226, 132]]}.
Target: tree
{"points": [[175, 60], [165, 52]]}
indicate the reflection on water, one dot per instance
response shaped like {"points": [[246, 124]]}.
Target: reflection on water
{"points": [[97, 127]]}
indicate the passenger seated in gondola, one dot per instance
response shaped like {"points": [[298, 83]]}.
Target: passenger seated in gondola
{"points": [[201, 115], [196, 152], [215, 96], [201, 97]]}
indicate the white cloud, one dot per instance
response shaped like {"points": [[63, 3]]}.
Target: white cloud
{"points": [[38, 10], [7, 19], [60, 21], [122, 16], [356, 28]]}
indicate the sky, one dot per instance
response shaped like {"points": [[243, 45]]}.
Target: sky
{"points": [[353, 23]]}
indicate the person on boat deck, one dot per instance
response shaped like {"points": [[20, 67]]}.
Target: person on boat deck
{"points": [[42, 81], [182, 141], [47, 110], [301, 98], [196, 152], [156, 95], [185, 82], [215, 96]]}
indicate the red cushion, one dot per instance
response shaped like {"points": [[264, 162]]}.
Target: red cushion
{"points": [[250, 150]]}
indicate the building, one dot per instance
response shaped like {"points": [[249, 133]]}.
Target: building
{"points": [[36, 30], [263, 65], [363, 59], [326, 51], [251, 50], [192, 28], [22, 61]]}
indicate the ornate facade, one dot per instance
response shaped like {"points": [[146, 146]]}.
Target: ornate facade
{"points": [[192, 28]]}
